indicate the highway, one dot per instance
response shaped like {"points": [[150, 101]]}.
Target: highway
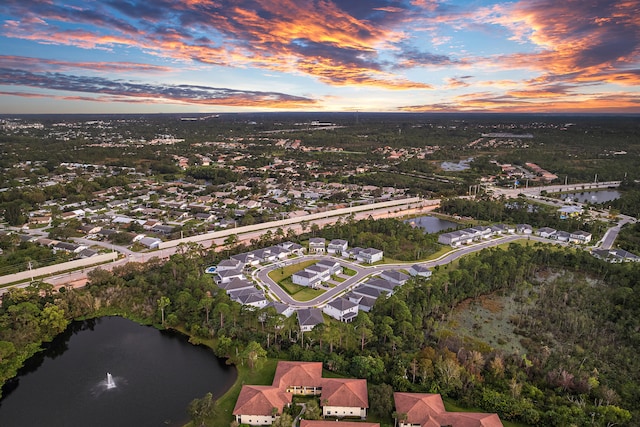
{"points": [[246, 234]]}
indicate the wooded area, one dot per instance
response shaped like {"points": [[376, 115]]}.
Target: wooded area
{"points": [[579, 330]]}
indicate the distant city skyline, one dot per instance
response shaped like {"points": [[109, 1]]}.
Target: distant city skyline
{"points": [[173, 56]]}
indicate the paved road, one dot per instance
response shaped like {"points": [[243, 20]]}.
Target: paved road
{"points": [[262, 274], [612, 233], [513, 192]]}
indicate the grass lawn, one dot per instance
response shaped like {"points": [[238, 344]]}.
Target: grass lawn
{"points": [[263, 375], [338, 279], [298, 292], [349, 272], [307, 294], [279, 274], [441, 252]]}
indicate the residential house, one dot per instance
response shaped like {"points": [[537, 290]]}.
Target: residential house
{"points": [[281, 308], [325, 423], [299, 378], [252, 298], [561, 236], [580, 237], [205, 216], [236, 284], [149, 224], [89, 229], [150, 242], [337, 246], [294, 248], [341, 309], [498, 229], [246, 258], [480, 232], [370, 255], [365, 303], [420, 270], [373, 290], [398, 278], [353, 252], [106, 233], [615, 255], [344, 397], [69, 247], [455, 238], [524, 229], [260, 405], [334, 267], [226, 276], [422, 410], [229, 264], [163, 229], [306, 278], [317, 245], [546, 232], [383, 285], [308, 318], [87, 253], [40, 220]]}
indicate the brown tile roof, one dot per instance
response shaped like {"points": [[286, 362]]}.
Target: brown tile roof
{"points": [[427, 410], [260, 400], [322, 423], [303, 374], [344, 392]]}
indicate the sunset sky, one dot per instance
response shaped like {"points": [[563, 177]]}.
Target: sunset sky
{"points": [[126, 56]]}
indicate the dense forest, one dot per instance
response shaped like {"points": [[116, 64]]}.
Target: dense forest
{"points": [[578, 328]]}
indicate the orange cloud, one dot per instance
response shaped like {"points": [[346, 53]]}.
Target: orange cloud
{"points": [[321, 39], [42, 64]]}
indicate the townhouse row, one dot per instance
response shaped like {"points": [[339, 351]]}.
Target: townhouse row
{"points": [[482, 232], [342, 398]]}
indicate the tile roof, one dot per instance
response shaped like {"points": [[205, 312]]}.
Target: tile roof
{"points": [[323, 423], [260, 400], [346, 392], [427, 410], [303, 374]]}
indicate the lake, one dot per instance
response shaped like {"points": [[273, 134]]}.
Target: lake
{"points": [[156, 374], [432, 224], [602, 196]]}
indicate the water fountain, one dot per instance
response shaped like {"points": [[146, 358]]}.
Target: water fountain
{"points": [[110, 382]]}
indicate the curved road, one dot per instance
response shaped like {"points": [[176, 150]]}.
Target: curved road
{"points": [[261, 275]]}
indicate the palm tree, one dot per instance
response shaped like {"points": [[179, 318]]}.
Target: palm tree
{"points": [[163, 303]]}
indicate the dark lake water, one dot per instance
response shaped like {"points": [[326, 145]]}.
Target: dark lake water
{"points": [[432, 224], [156, 375], [592, 196]]}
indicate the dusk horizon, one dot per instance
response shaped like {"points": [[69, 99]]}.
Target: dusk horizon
{"points": [[253, 56]]}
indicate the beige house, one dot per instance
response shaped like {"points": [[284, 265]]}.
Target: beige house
{"points": [[344, 397]]}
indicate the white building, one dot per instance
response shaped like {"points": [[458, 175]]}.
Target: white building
{"points": [[370, 255], [341, 309], [337, 246]]}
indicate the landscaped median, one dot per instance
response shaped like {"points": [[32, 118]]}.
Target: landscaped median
{"points": [[282, 277]]}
